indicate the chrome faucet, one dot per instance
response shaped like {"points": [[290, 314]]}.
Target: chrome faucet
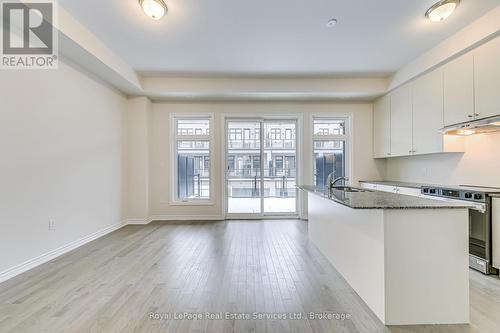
{"points": [[331, 183]]}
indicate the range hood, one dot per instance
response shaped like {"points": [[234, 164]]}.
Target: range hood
{"points": [[486, 125]]}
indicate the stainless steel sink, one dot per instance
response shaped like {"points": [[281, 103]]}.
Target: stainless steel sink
{"points": [[348, 189]]}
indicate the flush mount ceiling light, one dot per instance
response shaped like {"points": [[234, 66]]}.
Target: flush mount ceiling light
{"points": [[155, 9], [441, 10], [331, 23]]}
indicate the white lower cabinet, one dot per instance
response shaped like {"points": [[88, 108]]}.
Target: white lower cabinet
{"points": [[392, 189]]}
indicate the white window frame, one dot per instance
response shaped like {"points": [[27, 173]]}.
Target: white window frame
{"points": [[300, 119], [346, 137], [174, 139]]}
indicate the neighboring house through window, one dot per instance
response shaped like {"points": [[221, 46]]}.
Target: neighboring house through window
{"points": [[330, 144], [192, 145]]}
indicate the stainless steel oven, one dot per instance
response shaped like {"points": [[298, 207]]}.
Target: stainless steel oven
{"points": [[480, 246], [480, 239]]}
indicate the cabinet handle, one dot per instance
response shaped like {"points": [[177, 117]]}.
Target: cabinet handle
{"points": [[476, 114], [389, 154], [470, 116]]}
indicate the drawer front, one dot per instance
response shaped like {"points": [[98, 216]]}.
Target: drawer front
{"points": [[386, 188], [392, 189], [409, 191], [369, 186]]}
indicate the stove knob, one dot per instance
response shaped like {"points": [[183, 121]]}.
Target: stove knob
{"points": [[468, 195], [478, 196]]}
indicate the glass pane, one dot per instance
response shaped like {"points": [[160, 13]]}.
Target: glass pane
{"points": [[280, 167], [329, 156], [329, 126], [193, 170], [243, 174], [193, 127]]}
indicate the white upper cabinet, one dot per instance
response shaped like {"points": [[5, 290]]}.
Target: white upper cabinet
{"points": [[382, 127], [462, 90], [458, 83], [401, 121], [427, 96], [487, 79]]}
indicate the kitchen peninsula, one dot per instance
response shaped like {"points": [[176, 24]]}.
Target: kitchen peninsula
{"points": [[405, 256]]}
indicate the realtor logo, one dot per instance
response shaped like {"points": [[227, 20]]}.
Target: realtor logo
{"points": [[29, 39]]}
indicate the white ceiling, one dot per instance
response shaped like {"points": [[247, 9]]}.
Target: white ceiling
{"points": [[271, 37]]}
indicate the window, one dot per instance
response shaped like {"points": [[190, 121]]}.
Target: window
{"points": [[279, 163], [329, 126], [256, 162], [330, 142], [192, 142]]}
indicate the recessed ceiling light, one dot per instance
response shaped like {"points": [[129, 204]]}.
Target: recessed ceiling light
{"points": [[331, 23], [441, 10], [155, 9]]}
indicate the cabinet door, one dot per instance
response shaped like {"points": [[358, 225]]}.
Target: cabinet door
{"points": [[382, 127], [458, 83], [401, 121], [428, 113], [487, 79]]}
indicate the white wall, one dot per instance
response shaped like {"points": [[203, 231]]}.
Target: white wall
{"points": [[136, 194], [60, 158], [364, 167], [479, 165]]}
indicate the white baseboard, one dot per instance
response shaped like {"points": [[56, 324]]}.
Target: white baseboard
{"points": [[32, 263], [186, 218], [138, 221], [199, 218]]}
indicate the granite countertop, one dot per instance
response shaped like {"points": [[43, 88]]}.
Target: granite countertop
{"points": [[490, 190], [380, 200]]}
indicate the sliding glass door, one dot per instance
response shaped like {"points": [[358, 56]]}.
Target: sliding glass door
{"points": [[261, 167], [243, 170]]}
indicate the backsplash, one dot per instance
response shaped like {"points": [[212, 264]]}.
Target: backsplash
{"points": [[479, 165]]}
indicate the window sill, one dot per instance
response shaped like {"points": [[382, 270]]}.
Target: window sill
{"points": [[192, 203]]}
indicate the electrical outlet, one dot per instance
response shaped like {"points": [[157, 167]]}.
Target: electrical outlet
{"points": [[52, 225]]}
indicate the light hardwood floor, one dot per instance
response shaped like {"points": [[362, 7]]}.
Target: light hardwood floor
{"points": [[115, 283]]}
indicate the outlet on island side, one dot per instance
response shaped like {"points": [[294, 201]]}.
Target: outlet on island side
{"points": [[52, 225]]}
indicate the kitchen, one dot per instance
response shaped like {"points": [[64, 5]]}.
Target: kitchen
{"points": [[438, 134]]}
